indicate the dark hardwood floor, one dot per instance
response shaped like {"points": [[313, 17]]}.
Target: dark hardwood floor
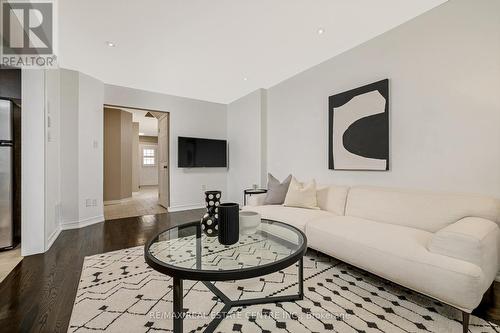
{"points": [[38, 294]]}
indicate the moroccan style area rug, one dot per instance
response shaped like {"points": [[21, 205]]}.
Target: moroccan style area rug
{"points": [[118, 292]]}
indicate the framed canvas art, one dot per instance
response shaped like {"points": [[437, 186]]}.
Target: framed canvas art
{"points": [[359, 128]]}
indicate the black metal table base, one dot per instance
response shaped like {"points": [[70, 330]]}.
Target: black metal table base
{"points": [[228, 303]]}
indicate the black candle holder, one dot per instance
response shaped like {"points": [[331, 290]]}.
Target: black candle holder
{"points": [[229, 223]]}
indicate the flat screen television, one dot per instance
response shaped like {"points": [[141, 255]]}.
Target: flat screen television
{"points": [[201, 153]]}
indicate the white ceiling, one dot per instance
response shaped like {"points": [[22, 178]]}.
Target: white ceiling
{"points": [[147, 125], [204, 49]]}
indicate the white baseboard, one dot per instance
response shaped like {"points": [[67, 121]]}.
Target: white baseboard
{"points": [[71, 225], [52, 238], [497, 278], [82, 223], [184, 207]]}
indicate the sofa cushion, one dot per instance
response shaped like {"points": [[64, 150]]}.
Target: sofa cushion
{"points": [[301, 195], [332, 198], [418, 209], [400, 254], [298, 217], [276, 191]]}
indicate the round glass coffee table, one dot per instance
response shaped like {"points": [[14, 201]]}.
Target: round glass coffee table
{"points": [[186, 253]]}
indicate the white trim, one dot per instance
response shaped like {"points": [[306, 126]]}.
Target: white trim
{"points": [[52, 238], [184, 207], [82, 223], [117, 202], [497, 278]]}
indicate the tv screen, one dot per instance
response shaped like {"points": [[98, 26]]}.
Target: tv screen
{"points": [[201, 153]]}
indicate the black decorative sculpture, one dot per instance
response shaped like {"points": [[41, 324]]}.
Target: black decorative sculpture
{"points": [[210, 221]]}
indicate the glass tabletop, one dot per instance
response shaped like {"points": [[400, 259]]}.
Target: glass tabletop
{"points": [[185, 250]]}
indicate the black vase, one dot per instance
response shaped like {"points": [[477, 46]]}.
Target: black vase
{"points": [[229, 223], [209, 221]]}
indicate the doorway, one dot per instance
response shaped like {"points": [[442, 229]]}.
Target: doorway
{"points": [[136, 162]]}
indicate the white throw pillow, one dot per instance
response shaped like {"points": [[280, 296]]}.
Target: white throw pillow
{"points": [[301, 195]]}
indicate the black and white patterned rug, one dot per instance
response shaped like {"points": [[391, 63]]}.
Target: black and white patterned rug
{"points": [[118, 292]]}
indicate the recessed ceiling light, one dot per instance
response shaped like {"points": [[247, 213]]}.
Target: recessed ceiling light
{"points": [[321, 31], [245, 79], [110, 44], [141, 134]]}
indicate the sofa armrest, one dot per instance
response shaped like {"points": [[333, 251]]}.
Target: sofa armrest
{"points": [[256, 199], [471, 239]]}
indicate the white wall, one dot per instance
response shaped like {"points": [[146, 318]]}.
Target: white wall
{"points": [[444, 71], [41, 172], [247, 142], [81, 149], [148, 175], [69, 146], [90, 149], [52, 157], [188, 117], [33, 162]]}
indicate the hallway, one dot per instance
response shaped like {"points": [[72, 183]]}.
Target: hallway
{"points": [[144, 202]]}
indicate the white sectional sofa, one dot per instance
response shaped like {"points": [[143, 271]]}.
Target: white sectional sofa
{"points": [[445, 246]]}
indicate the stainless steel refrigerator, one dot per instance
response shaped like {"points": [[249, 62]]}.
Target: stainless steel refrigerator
{"points": [[6, 175]]}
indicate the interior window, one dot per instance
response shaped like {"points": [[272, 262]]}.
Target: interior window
{"points": [[148, 157]]}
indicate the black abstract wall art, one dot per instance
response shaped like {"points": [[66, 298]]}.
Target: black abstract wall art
{"points": [[359, 128]]}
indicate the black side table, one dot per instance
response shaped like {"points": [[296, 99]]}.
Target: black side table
{"points": [[251, 191]]}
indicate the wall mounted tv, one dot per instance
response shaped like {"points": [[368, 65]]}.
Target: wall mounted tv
{"points": [[201, 153]]}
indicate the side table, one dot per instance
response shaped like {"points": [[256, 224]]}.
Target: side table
{"points": [[252, 191]]}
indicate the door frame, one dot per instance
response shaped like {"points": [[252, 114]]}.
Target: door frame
{"points": [[169, 137]]}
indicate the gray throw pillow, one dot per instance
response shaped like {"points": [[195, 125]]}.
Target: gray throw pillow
{"points": [[276, 191]]}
